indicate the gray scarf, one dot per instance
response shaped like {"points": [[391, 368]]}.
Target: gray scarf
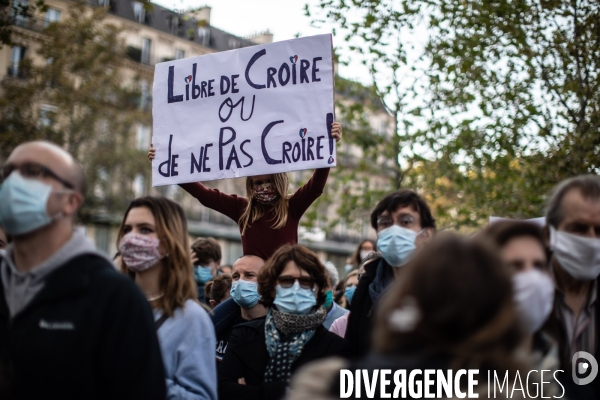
{"points": [[298, 330]]}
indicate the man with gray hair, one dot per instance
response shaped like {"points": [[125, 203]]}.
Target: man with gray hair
{"points": [[333, 310], [71, 327], [573, 232]]}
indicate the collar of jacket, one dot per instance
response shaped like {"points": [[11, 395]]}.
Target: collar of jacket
{"points": [[68, 280], [249, 349]]}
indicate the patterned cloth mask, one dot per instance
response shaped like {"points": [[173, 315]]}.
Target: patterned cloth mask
{"points": [[139, 252], [265, 193]]}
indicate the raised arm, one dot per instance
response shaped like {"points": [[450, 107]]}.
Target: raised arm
{"points": [[212, 198], [311, 191], [226, 204]]}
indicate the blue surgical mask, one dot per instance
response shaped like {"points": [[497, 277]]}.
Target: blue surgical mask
{"points": [[396, 245], [245, 293], [295, 299], [328, 299], [349, 293], [202, 274], [24, 205]]}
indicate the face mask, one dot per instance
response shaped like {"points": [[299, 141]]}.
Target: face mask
{"points": [[139, 252], [244, 293], [202, 274], [265, 193], [295, 299], [328, 299], [348, 267], [579, 256], [349, 293], [24, 205], [364, 254], [534, 297], [2, 253], [396, 245]]}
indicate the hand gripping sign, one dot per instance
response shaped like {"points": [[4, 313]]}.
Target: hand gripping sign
{"points": [[258, 110]]}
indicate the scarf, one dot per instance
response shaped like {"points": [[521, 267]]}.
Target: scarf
{"points": [[298, 330], [384, 276]]}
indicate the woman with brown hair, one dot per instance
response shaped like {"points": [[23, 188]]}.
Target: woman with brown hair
{"points": [[263, 353], [453, 309], [523, 250], [153, 242], [268, 217]]}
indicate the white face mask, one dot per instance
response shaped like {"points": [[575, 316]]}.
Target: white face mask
{"points": [[2, 253], [579, 256], [534, 298], [365, 253]]}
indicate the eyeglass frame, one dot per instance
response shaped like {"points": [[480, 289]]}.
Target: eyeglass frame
{"points": [[296, 279], [44, 171]]}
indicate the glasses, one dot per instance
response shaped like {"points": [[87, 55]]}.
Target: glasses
{"points": [[403, 220], [32, 171], [287, 281]]}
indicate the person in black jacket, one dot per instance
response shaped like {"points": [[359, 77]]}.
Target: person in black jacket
{"points": [[262, 354], [404, 223], [71, 326]]}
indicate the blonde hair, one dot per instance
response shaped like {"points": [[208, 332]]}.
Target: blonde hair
{"points": [[176, 281], [254, 210]]}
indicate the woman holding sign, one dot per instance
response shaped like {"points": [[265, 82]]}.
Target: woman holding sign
{"points": [[268, 217]]}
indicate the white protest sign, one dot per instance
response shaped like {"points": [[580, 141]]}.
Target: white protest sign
{"points": [[258, 110]]}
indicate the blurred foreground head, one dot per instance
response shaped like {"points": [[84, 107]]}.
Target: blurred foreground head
{"points": [[42, 187], [454, 299]]}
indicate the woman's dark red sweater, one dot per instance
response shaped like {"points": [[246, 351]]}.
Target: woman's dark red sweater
{"points": [[260, 238]]}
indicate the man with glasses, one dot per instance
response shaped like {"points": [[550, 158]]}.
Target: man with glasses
{"points": [[403, 223], [70, 325]]}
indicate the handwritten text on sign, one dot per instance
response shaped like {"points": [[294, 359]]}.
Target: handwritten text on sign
{"points": [[257, 110]]}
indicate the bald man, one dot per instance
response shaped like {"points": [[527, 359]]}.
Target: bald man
{"points": [[71, 327], [243, 305]]}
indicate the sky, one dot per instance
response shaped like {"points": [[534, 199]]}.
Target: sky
{"points": [[284, 18]]}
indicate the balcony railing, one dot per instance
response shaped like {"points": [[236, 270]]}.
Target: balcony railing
{"points": [[16, 72]]}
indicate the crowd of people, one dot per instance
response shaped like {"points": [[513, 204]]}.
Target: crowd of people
{"points": [[164, 318]]}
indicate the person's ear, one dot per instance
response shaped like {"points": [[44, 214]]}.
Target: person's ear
{"points": [[72, 204], [213, 303]]}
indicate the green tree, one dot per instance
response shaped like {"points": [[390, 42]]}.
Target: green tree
{"points": [[366, 169], [77, 98], [512, 97]]}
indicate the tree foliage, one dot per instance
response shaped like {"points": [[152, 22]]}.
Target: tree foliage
{"points": [[73, 92], [510, 96]]}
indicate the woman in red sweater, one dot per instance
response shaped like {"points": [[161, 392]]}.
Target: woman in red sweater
{"points": [[268, 217]]}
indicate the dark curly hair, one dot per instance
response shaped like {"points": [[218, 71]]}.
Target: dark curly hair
{"points": [[304, 258]]}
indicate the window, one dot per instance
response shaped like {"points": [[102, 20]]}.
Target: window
{"points": [[203, 35], [179, 54], [18, 9], [173, 23], [139, 12], [234, 43], [18, 53], [46, 114], [146, 50], [145, 97], [52, 15], [139, 185], [102, 237], [103, 3], [143, 136]]}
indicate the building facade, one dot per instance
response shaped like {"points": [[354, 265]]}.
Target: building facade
{"points": [[154, 34]]}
